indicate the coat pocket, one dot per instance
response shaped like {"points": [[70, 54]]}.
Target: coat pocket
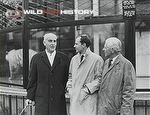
{"points": [[83, 96], [118, 101]]}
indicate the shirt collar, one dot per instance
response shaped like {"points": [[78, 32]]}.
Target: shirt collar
{"points": [[86, 52], [52, 54], [113, 60]]}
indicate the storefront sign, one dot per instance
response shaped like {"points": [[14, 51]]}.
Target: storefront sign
{"points": [[129, 9]]}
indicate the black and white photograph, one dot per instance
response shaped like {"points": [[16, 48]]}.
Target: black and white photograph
{"points": [[74, 57]]}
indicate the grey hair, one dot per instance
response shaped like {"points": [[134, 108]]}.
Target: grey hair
{"points": [[114, 43], [49, 35]]}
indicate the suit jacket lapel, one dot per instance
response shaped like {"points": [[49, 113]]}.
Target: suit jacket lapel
{"points": [[45, 60], [106, 69], [56, 60]]}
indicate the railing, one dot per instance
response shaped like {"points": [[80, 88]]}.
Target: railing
{"points": [[12, 101], [142, 103]]}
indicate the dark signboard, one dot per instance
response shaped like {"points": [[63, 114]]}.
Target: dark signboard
{"points": [[129, 9]]}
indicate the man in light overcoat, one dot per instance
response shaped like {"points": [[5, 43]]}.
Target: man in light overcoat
{"points": [[84, 78], [116, 94]]}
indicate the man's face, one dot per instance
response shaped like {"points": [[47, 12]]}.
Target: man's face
{"points": [[107, 50], [78, 46], [50, 43]]}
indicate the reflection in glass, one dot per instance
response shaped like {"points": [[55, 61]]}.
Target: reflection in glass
{"points": [[65, 39], [11, 58], [100, 32], [143, 53]]}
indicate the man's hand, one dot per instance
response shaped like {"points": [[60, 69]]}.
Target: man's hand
{"points": [[69, 84], [93, 86], [29, 102]]}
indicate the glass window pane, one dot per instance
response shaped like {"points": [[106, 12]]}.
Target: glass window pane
{"points": [[110, 7], [143, 53], [65, 41], [11, 59], [142, 37], [100, 32]]}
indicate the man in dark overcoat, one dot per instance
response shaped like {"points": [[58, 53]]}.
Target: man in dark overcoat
{"points": [[47, 79]]}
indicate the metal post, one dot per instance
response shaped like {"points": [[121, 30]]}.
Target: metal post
{"points": [[134, 106], [31, 110], [130, 40], [3, 104], [10, 108], [146, 107], [23, 104], [16, 105], [25, 46]]}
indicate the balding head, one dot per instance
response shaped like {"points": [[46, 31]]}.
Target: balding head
{"points": [[50, 42], [50, 35], [113, 43], [112, 47]]}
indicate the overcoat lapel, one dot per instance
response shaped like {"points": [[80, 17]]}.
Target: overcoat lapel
{"points": [[56, 60], [79, 63], [106, 69], [45, 60]]}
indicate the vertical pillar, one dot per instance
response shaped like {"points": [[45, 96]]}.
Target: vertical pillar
{"points": [[25, 46], [76, 3], [95, 8], [96, 43], [3, 70], [130, 41], [77, 28]]}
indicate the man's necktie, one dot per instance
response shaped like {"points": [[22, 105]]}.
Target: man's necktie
{"points": [[109, 64], [81, 58]]}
